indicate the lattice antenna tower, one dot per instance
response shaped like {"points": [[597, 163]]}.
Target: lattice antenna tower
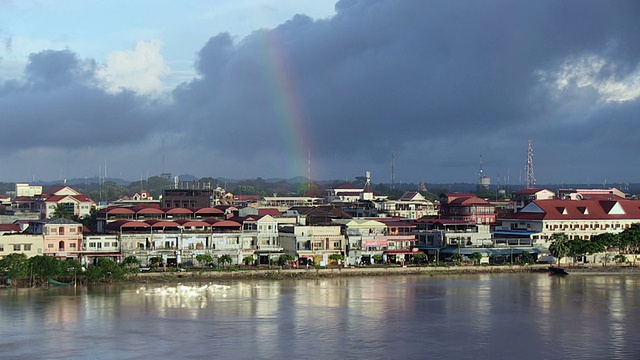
{"points": [[530, 181], [308, 168], [393, 169]]}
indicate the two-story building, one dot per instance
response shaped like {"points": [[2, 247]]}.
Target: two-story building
{"points": [[62, 238], [467, 207], [315, 243], [578, 219], [365, 238]]}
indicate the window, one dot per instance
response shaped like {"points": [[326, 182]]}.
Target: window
{"points": [[50, 246], [16, 247], [72, 245], [27, 247], [1, 247]]}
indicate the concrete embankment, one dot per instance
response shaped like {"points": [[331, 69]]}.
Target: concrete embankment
{"points": [[197, 275]]}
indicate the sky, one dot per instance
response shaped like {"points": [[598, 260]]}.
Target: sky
{"points": [[276, 89]]}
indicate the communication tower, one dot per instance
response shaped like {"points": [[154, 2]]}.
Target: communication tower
{"points": [[530, 181], [483, 180], [393, 169]]}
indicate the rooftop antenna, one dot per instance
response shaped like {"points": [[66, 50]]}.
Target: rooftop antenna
{"points": [[308, 168], [163, 153], [481, 171], [530, 181], [393, 169]]}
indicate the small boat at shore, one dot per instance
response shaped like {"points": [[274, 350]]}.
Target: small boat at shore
{"points": [[557, 271], [53, 282]]}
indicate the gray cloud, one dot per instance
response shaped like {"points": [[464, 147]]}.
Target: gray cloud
{"points": [[440, 83]]}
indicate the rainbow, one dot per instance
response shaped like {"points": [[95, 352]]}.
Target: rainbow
{"points": [[290, 111]]}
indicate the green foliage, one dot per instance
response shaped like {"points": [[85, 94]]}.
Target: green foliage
{"points": [[419, 258], [620, 259], [130, 261], [248, 260], [155, 261], [70, 267], [377, 258], [204, 259], [476, 257], [106, 270], [225, 259], [285, 259], [336, 257], [60, 212], [15, 265], [245, 190], [44, 266], [559, 248], [457, 258]]}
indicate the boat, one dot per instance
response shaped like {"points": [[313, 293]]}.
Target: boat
{"points": [[53, 282], [557, 271]]}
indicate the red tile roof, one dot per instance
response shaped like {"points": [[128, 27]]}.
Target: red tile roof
{"points": [[345, 186], [527, 191], [10, 228], [579, 210], [272, 212]]}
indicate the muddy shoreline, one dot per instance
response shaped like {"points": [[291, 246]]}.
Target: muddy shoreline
{"points": [[277, 274]]}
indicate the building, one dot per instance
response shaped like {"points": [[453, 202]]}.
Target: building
{"points": [[412, 205], [364, 238], [522, 198], [578, 219], [21, 243], [314, 243], [62, 238], [73, 202], [467, 207], [591, 194]]}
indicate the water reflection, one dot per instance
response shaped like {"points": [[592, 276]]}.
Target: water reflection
{"points": [[481, 316]]}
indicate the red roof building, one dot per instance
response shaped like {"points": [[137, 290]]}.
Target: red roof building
{"points": [[578, 219], [467, 207]]}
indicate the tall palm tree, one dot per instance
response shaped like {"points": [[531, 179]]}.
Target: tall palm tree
{"points": [[559, 248]]}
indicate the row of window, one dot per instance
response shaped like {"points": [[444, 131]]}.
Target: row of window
{"points": [[18, 247], [585, 226], [99, 245]]}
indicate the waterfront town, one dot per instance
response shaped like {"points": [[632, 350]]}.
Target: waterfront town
{"points": [[350, 226]]}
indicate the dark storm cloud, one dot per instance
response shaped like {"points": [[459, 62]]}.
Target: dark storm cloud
{"points": [[402, 75], [59, 105], [438, 82]]}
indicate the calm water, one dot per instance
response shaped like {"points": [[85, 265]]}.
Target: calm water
{"points": [[529, 316]]}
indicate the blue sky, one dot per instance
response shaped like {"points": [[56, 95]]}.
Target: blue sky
{"points": [[247, 88], [96, 29]]}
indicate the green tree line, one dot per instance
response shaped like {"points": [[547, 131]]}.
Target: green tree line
{"points": [[626, 242], [37, 270]]}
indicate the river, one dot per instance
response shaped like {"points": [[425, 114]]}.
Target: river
{"points": [[474, 316]]}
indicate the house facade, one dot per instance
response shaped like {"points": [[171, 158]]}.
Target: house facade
{"points": [[62, 238], [316, 243], [467, 207], [578, 219], [412, 205]]}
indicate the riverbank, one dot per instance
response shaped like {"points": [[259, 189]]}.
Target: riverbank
{"points": [[197, 275], [275, 274]]}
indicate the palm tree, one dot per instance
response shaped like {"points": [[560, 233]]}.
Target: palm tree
{"points": [[225, 259], [559, 248], [60, 211]]}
